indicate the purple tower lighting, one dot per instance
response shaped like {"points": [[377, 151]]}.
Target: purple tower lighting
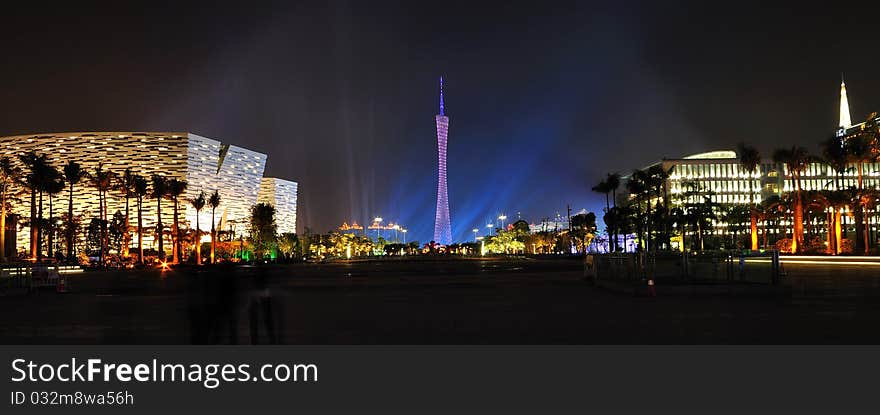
{"points": [[442, 224]]}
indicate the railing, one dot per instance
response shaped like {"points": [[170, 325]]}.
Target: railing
{"points": [[28, 276], [714, 266]]}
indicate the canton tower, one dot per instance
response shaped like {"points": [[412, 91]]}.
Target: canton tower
{"points": [[442, 224]]}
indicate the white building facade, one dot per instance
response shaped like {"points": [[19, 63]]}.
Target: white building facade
{"points": [[204, 163], [281, 194]]}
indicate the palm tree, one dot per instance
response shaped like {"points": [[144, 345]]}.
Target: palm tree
{"points": [[603, 188], [637, 186], [176, 188], [139, 190], [213, 202], [613, 181], [860, 149], [38, 180], [103, 182], [606, 187], [658, 176], [796, 161], [834, 202], [36, 164], [73, 174], [198, 203], [125, 186], [698, 211], [834, 155], [8, 177], [48, 179], [53, 187], [160, 191], [749, 160]]}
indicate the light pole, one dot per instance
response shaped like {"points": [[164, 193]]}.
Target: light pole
{"points": [[396, 228], [476, 230], [378, 222], [404, 236], [489, 226], [502, 218]]}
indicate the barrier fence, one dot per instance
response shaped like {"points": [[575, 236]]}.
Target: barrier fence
{"points": [[29, 277], [715, 266]]}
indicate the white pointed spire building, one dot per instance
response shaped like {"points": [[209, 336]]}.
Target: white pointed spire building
{"points": [[845, 121]]}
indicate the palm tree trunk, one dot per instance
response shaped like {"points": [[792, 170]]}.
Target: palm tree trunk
{"points": [[754, 215], [102, 218], [40, 230], [70, 225], [797, 240], [214, 235], [51, 229], [700, 234], [616, 230], [3, 226], [140, 203], [126, 238], [175, 236], [159, 228], [106, 227], [867, 228], [198, 241], [838, 213], [667, 231], [829, 220], [648, 226], [858, 217], [33, 223]]}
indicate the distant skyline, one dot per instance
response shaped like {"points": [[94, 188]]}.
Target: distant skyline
{"points": [[546, 100]]}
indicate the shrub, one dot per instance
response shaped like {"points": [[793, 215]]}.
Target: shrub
{"points": [[784, 245], [815, 246], [847, 246]]}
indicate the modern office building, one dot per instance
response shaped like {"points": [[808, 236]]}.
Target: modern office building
{"points": [[442, 222], [719, 176], [205, 164]]}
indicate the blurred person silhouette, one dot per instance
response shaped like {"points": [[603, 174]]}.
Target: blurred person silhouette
{"points": [[262, 305], [226, 308], [213, 304]]}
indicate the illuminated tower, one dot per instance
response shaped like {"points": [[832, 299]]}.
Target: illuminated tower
{"points": [[442, 224], [845, 121]]}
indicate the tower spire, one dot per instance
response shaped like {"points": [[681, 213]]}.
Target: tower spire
{"points": [[442, 110], [442, 224], [845, 121]]}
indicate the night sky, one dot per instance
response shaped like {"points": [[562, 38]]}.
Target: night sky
{"points": [[543, 99]]}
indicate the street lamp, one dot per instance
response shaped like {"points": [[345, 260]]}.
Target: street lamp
{"points": [[404, 236], [396, 228], [502, 218], [475, 234], [489, 226], [378, 221]]}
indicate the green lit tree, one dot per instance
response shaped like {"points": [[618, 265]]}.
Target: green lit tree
{"points": [[262, 228]]}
